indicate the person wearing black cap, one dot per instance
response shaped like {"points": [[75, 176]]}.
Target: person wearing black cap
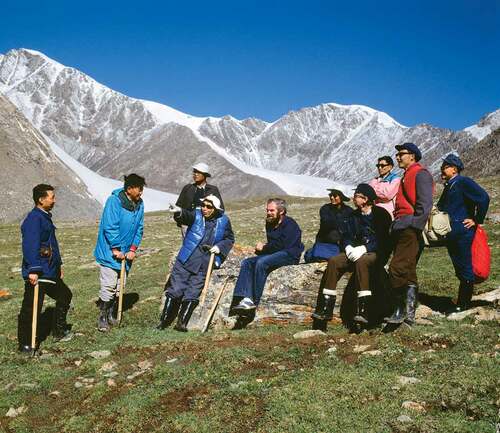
{"points": [[333, 218], [466, 204], [367, 248], [411, 212]]}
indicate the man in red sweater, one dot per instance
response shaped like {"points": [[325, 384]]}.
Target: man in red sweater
{"points": [[412, 209]]}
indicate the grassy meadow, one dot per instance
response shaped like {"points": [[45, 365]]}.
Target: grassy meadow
{"points": [[441, 377]]}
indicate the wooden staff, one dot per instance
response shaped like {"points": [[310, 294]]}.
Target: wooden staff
{"points": [[214, 306], [120, 296], [207, 279], [34, 319]]}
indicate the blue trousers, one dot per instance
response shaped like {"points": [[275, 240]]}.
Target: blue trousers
{"points": [[184, 284], [254, 272], [459, 243]]}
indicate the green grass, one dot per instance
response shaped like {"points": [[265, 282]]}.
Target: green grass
{"points": [[258, 379]]}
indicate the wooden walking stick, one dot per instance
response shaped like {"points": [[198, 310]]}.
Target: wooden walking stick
{"points": [[34, 319], [120, 295], [214, 306], [207, 279]]}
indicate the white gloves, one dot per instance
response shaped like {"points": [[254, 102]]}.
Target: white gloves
{"points": [[172, 208], [354, 253], [215, 249]]}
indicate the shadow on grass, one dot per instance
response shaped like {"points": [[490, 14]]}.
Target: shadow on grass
{"points": [[444, 303]]}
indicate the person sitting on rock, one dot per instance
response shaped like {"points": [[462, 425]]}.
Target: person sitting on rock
{"points": [[333, 217], [466, 204], [367, 249], [386, 184], [283, 247], [209, 231]]}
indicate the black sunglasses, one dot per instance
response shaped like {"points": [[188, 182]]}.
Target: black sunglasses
{"points": [[382, 165], [208, 206]]}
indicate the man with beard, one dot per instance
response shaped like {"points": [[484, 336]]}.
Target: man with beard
{"points": [[209, 231], [42, 265], [283, 248]]}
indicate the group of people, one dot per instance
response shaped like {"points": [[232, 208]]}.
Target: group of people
{"points": [[387, 220]]}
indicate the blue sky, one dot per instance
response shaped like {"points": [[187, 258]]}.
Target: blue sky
{"points": [[434, 62]]}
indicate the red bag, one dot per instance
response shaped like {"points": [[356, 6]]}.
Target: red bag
{"points": [[481, 255]]}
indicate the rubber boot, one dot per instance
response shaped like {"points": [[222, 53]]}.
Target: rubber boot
{"points": [[325, 305], [465, 295], [102, 321], [187, 308], [169, 313], [399, 314], [363, 302], [411, 304], [24, 337], [60, 327], [113, 312]]}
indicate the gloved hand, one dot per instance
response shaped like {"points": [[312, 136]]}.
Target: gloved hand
{"points": [[348, 251], [172, 208], [215, 249], [357, 252]]}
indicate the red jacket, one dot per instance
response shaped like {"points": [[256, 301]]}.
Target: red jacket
{"points": [[407, 192]]}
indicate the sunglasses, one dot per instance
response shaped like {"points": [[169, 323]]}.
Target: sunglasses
{"points": [[400, 154], [208, 206], [382, 165]]}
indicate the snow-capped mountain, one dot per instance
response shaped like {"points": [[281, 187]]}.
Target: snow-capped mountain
{"points": [[301, 153]]}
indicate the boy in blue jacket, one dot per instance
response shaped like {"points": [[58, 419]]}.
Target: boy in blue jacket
{"points": [[120, 234], [42, 265], [466, 204]]}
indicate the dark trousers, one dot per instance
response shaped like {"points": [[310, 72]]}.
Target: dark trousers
{"points": [[339, 265], [184, 284], [58, 291], [408, 246], [459, 245], [254, 272]]}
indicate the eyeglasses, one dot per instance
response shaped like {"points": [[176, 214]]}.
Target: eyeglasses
{"points": [[400, 154], [382, 165], [208, 206], [357, 195]]}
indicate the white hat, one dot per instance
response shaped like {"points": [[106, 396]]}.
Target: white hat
{"points": [[202, 168], [212, 199]]}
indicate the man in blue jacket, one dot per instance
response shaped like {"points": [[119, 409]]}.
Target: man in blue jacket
{"points": [[120, 234], [466, 204], [209, 231], [42, 265], [283, 247]]}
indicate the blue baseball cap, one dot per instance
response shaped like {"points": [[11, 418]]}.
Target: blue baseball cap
{"points": [[454, 160], [412, 148]]}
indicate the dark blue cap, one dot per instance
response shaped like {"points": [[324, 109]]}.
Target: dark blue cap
{"points": [[454, 160], [366, 190], [410, 147]]}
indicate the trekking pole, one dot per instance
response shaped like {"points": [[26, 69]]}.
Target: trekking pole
{"points": [[207, 279], [120, 296], [214, 306], [34, 319]]}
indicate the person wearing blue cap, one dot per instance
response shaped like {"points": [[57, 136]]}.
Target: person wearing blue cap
{"points": [[411, 212], [466, 204]]}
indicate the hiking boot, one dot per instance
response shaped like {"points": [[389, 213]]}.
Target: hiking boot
{"points": [[245, 305], [411, 304], [102, 321], [363, 301], [25, 349], [399, 314], [187, 308], [169, 313], [60, 328]]}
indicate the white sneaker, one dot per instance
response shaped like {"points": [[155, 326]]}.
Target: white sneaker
{"points": [[245, 304]]}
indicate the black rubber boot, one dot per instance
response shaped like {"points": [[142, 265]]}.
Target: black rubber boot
{"points": [[102, 321], [187, 308], [411, 304], [465, 295], [399, 314], [169, 313], [324, 307], [362, 314], [24, 337], [60, 328], [113, 312]]}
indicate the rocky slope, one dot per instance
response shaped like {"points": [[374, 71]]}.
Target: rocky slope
{"points": [[482, 160]]}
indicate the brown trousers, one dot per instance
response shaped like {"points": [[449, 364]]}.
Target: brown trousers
{"points": [[403, 266], [339, 265]]}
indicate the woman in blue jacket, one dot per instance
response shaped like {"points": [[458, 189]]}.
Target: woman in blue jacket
{"points": [[466, 204]]}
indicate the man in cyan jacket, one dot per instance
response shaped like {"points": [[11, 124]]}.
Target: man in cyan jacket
{"points": [[120, 234], [209, 231], [283, 247], [42, 265]]}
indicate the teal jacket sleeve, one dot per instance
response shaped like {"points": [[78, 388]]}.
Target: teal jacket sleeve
{"points": [[111, 221]]}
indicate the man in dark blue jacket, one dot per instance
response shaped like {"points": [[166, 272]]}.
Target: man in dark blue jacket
{"points": [[283, 247], [466, 204], [42, 265], [209, 231]]}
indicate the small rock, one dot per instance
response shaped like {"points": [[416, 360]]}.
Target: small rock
{"points": [[360, 348], [78, 384], [342, 340], [28, 385], [55, 393], [259, 380], [463, 314], [373, 352], [413, 405], [100, 354], [78, 362], [404, 418], [171, 360], [488, 315], [9, 386], [423, 311], [111, 382], [491, 296], [281, 367], [331, 350], [135, 374], [108, 366], [405, 380], [423, 321], [308, 334], [16, 270], [145, 365], [12, 412]]}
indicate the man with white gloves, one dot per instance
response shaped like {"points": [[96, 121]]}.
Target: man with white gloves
{"points": [[367, 248], [209, 231]]}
